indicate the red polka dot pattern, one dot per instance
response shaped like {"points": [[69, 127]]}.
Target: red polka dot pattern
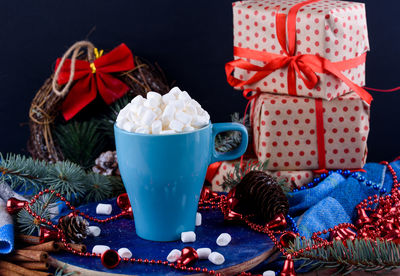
{"points": [[298, 178], [333, 29], [346, 125]]}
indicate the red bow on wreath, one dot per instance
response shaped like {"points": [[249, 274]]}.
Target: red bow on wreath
{"points": [[92, 77]]}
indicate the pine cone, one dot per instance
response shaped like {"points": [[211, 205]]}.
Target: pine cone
{"points": [[107, 164], [75, 228], [260, 194]]}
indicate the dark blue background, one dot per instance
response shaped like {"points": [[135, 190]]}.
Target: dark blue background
{"points": [[191, 40]]}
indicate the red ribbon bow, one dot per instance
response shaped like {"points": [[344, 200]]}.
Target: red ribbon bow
{"points": [[95, 77], [306, 66]]}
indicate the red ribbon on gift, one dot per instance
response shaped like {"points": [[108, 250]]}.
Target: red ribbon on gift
{"points": [[93, 77], [305, 66]]}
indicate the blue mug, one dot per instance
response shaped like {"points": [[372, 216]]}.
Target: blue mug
{"points": [[164, 174]]}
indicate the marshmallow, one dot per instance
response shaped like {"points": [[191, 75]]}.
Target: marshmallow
{"points": [[184, 96], [142, 130], [124, 252], [156, 127], [100, 249], [269, 273], [224, 239], [203, 253], [216, 258], [183, 117], [148, 117], [189, 236], [94, 231], [170, 131], [103, 209], [176, 125], [175, 91], [174, 255], [198, 219], [171, 113]]}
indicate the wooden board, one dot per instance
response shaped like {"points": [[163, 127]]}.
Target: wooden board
{"points": [[247, 248]]}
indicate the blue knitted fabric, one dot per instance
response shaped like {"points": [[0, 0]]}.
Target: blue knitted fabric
{"points": [[6, 230]]}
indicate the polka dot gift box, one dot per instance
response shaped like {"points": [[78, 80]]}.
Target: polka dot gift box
{"points": [[293, 178], [297, 133], [307, 48]]}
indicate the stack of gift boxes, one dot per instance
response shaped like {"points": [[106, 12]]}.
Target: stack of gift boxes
{"points": [[303, 63]]}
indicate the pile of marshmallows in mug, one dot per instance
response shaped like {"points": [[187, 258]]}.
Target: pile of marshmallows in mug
{"points": [[174, 112]]}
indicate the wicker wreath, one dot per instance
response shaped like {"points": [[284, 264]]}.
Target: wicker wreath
{"points": [[46, 105]]}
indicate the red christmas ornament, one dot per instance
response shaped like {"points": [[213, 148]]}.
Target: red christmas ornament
{"points": [[207, 194], [123, 201], [343, 234], [110, 258], [288, 267], [46, 234], [127, 213], [15, 205], [188, 256], [232, 216], [277, 222], [362, 218], [393, 236], [232, 200], [286, 238]]}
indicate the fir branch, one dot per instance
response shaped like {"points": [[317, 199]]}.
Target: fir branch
{"points": [[68, 179], [357, 255], [27, 224], [81, 142], [229, 140], [60, 271], [117, 185], [99, 187], [23, 174]]}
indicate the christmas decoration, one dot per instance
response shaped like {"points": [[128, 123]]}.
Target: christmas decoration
{"points": [[110, 258], [295, 133], [224, 177], [259, 193], [134, 77], [75, 228], [277, 50], [188, 256], [107, 163]]}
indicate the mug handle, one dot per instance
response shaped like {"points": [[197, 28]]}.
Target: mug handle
{"points": [[235, 153]]}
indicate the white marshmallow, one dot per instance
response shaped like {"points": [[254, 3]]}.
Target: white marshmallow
{"points": [[123, 113], [175, 91], [194, 103], [143, 130], [156, 127], [200, 121], [216, 258], [176, 125], [138, 100], [168, 113], [190, 109], [188, 128], [151, 103], [100, 249], [203, 253], [153, 95], [189, 236], [126, 125], [103, 209], [148, 117], [168, 98], [179, 104], [183, 117], [169, 131], [269, 273], [124, 252], [174, 255], [224, 239], [158, 111], [198, 219], [184, 96], [94, 231]]}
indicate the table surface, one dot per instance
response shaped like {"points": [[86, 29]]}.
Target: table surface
{"points": [[246, 250]]}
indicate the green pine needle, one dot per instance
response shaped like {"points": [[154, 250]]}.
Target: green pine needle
{"points": [[22, 173], [68, 179], [81, 142], [357, 255], [27, 224], [99, 187], [226, 141]]}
